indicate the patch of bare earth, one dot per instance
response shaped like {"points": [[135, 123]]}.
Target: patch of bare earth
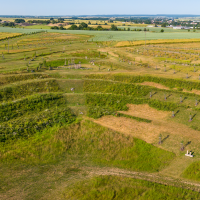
{"points": [[152, 84], [158, 178], [131, 127], [193, 91], [148, 132]]}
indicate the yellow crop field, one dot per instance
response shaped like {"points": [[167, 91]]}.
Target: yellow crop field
{"points": [[6, 35], [165, 41]]}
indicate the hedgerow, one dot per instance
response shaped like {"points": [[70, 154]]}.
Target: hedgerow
{"points": [[21, 77], [116, 88], [99, 111], [34, 103], [28, 125], [171, 83], [107, 104], [21, 90]]}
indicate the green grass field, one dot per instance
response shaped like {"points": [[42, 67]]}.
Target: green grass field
{"points": [[37, 27], [109, 187]]}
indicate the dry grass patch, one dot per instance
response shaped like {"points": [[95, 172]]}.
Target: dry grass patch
{"points": [[145, 111], [110, 52], [156, 85], [159, 41], [5, 35], [141, 130], [150, 132]]}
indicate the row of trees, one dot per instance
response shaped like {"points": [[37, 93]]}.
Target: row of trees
{"points": [[58, 28], [84, 26], [10, 24]]}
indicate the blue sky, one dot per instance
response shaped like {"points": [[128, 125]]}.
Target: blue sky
{"points": [[89, 7]]}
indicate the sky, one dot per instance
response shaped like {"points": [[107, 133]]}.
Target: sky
{"points": [[100, 7]]}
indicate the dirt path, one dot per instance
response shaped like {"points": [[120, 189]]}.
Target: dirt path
{"points": [[153, 177]]}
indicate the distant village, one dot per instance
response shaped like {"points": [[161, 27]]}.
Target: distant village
{"points": [[174, 23]]}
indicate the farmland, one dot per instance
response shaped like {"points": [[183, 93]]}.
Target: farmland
{"points": [[115, 36], [102, 110]]}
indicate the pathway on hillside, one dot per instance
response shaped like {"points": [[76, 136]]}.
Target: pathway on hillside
{"points": [[153, 177]]}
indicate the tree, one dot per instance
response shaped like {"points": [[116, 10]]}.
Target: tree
{"points": [[60, 20], [113, 28], [99, 28], [51, 18], [164, 25], [83, 26], [62, 28], [162, 30], [55, 27], [19, 20], [73, 27]]}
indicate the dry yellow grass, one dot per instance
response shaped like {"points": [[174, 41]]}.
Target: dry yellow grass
{"points": [[157, 85], [160, 41], [150, 132], [109, 51], [131, 127], [6, 35]]}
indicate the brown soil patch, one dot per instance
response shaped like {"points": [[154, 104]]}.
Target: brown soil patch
{"points": [[193, 91], [156, 85], [131, 127], [148, 132], [145, 111]]}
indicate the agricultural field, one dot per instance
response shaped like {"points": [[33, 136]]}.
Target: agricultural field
{"points": [[7, 35], [102, 110], [101, 36]]}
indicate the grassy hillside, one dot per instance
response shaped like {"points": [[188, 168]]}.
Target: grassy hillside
{"points": [[111, 187], [72, 109]]}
